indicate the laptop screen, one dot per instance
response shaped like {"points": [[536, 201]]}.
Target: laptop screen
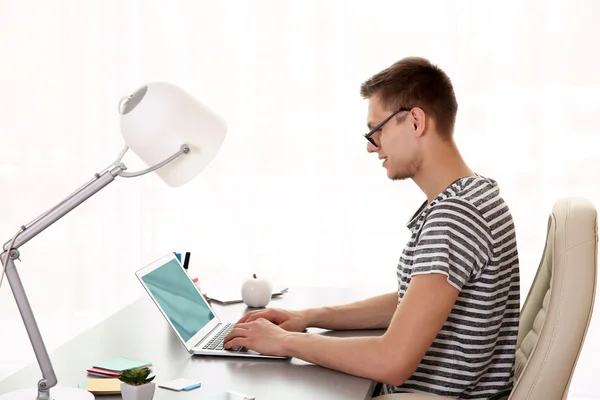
{"points": [[179, 299]]}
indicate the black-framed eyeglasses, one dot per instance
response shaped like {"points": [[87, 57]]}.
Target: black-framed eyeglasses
{"points": [[378, 127]]}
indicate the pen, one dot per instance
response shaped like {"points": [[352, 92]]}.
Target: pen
{"points": [[186, 260]]}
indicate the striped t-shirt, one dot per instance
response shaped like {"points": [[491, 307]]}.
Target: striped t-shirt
{"points": [[467, 234]]}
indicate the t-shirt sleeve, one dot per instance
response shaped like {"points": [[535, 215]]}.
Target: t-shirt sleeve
{"points": [[455, 241]]}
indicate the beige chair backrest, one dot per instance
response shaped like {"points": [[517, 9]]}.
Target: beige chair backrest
{"points": [[557, 311]]}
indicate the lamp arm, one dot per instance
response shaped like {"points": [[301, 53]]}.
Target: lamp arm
{"points": [[29, 224], [90, 189], [64, 207], [34, 228], [183, 150], [11, 253]]}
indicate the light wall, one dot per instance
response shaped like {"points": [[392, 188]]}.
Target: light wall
{"points": [[293, 195]]}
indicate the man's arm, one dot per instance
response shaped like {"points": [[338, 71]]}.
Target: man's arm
{"points": [[393, 357], [372, 313]]}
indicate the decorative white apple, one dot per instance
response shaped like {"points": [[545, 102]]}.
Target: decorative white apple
{"points": [[256, 292]]}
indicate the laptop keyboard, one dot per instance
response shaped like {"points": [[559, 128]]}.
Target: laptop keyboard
{"points": [[216, 342]]}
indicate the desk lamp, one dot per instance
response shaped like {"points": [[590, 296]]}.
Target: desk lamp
{"points": [[171, 132]]}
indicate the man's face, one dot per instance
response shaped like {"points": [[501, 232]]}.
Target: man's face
{"points": [[396, 143]]}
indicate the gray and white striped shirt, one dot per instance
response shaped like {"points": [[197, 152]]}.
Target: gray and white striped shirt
{"points": [[467, 234]]}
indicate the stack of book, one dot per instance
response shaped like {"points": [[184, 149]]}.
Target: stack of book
{"points": [[112, 368]]}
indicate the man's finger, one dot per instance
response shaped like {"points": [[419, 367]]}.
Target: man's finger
{"points": [[255, 316], [237, 342], [243, 325], [246, 316], [236, 332], [268, 314]]}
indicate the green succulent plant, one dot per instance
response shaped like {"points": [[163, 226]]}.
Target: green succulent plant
{"points": [[136, 376]]}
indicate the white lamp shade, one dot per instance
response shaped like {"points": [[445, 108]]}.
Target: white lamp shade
{"points": [[158, 118]]}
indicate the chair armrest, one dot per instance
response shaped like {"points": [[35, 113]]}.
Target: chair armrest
{"points": [[411, 396]]}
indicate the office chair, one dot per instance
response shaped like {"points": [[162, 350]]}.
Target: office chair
{"points": [[558, 308]]}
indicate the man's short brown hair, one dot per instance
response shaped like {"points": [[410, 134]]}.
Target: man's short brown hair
{"points": [[415, 82]]}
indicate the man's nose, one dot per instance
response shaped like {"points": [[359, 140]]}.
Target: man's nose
{"points": [[371, 148]]}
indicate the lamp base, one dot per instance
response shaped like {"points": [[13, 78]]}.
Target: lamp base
{"points": [[56, 393]]}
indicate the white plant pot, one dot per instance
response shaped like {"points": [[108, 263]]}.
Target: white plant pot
{"points": [[141, 392]]}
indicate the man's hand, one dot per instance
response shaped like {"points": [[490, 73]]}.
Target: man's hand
{"points": [[259, 335], [293, 321]]}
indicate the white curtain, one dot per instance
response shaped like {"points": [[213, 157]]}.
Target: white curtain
{"points": [[293, 195]]}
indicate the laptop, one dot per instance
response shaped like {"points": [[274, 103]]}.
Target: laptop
{"points": [[188, 313]]}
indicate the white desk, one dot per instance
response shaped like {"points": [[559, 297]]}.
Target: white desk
{"points": [[140, 331]]}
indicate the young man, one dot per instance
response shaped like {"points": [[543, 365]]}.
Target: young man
{"points": [[451, 328]]}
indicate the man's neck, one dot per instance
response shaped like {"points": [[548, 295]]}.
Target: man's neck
{"points": [[443, 166]]}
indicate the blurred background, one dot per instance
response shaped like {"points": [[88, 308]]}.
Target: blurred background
{"points": [[293, 195]]}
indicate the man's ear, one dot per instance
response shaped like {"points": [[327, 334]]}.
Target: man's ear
{"points": [[418, 121]]}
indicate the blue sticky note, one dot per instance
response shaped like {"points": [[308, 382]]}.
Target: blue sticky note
{"points": [[178, 255], [180, 384], [121, 363]]}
